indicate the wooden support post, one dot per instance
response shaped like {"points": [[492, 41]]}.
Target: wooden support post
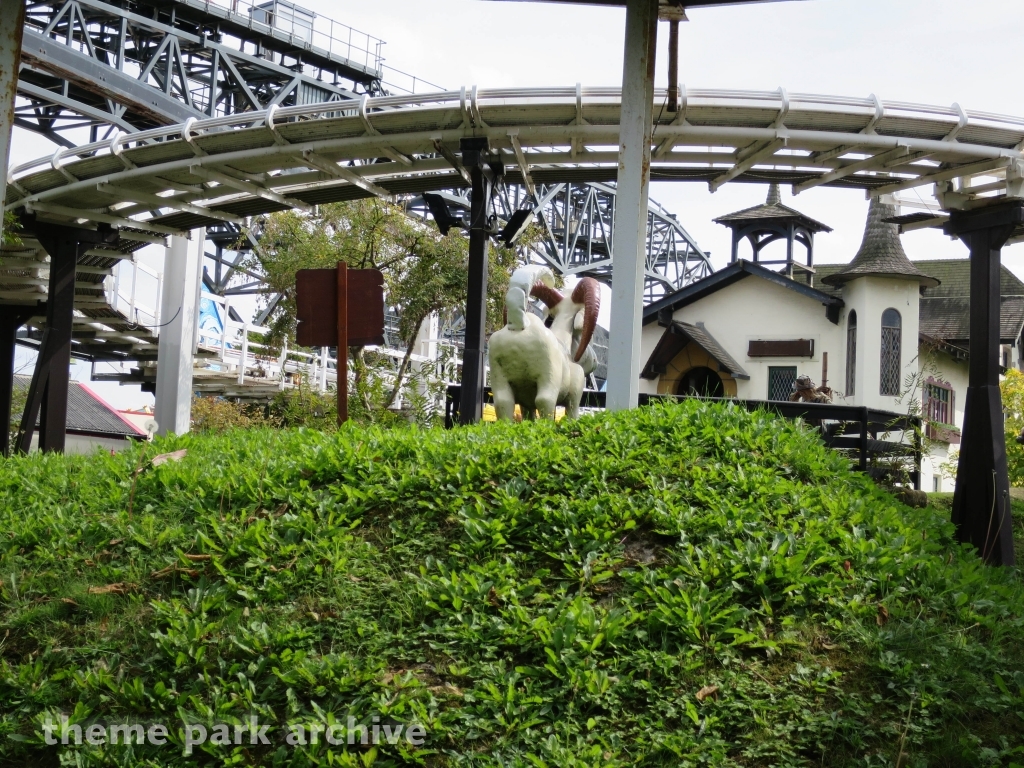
{"points": [[629, 226], [981, 503], [342, 362], [863, 439], [673, 65]]}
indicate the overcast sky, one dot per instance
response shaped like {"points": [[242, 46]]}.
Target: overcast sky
{"points": [[923, 51]]}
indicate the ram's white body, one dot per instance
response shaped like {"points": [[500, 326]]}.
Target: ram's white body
{"points": [[530, 363], [532, 368]]}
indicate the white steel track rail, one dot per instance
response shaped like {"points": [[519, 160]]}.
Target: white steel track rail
{"points": [[257, 162]]}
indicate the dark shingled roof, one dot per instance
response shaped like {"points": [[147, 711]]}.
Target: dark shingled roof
{"points": [[772, 211], [946, 310], [881, 252], [87, 413], [677, 336]]}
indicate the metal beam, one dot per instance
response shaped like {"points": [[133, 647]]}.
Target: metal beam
{"points": [[313, 160], [744, 164], [105, 218], [11, 318], [453, 161], [981, 504], [179, 313], [63, 61], [971, 169], [248, 186], [48, 392], [524, 167], [173, 203], [475, 154], [868, 164]]}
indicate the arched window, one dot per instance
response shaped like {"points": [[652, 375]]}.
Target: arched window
{"points": [[892, 333], [851, 354]]}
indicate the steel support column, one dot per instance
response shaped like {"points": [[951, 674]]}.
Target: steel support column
{"points": [[13, 14], [475, 159], [629, 237], [48, 392], [981, 504]]}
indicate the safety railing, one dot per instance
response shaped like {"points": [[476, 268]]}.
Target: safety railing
{"points": [[127, 285], [237, 350], [299, 27]]}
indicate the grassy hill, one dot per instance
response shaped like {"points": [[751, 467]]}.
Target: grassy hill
{"points": [[685, 584]]}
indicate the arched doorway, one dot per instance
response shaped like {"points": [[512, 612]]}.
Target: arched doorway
{"points": [[702, 382]]}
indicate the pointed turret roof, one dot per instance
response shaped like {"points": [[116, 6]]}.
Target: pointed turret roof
{"points": [[774, 212], [881, 252]]}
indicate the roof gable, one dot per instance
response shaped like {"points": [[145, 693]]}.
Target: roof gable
{"points": [[723, 278], [676, 336]]}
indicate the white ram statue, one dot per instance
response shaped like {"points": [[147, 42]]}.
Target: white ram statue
{"points": [[540, 364]]}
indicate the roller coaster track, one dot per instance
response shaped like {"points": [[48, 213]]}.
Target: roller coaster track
{"points": [[171, 179]]}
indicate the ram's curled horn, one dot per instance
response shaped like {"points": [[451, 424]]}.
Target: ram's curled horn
{"points": [[547, 294], [588, 293]]}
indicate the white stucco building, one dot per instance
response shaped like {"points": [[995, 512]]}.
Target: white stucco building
{"points": [[881, 331]]}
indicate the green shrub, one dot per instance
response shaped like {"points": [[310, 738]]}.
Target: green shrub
{"points": [[684, 584]]}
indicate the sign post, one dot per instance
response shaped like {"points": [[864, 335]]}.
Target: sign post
{"points": [[342, 361], [341, 308]]}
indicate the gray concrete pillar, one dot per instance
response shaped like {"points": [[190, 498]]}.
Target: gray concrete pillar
{"points": [[630, 226], [179, 316]]}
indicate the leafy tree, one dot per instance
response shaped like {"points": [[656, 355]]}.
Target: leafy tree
{"points": [[424, 272], [11, 227], [1012, 390]]}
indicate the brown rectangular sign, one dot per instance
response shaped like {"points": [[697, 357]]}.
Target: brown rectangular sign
{"points": [[782, 348], [316, 298]]}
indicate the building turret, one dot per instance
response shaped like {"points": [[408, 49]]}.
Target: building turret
{"points": [[881, 289]]}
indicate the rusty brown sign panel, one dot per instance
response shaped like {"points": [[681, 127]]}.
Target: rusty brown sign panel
{"points": [[316, 298], [781, 348]]}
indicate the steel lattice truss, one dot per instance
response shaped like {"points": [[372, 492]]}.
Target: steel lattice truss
{"points": [[123, 69], [146, 63], [576, 221]]}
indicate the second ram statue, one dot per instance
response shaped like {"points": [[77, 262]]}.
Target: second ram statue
{"points": [[540, 364]]}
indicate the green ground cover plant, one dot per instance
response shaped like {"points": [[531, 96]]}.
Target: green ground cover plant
{"points": [[680, 585]]}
